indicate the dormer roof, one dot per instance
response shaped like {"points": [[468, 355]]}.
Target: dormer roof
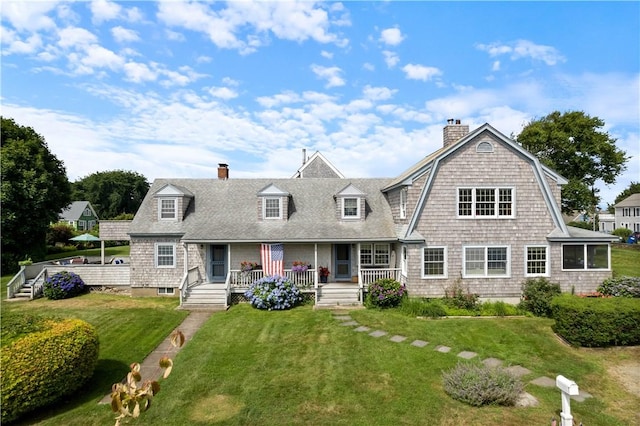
{"points": [[317, 166], [171, 190]]}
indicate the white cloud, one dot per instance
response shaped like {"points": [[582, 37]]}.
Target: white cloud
{"points": [[391, 36], [104, 10], [326, 54], [17, 45], [378, 93], [74, 37], [137, 72], [174, 35], [28, 16], [390, 58], [420, 72], [495, 66], [368, 66], [223, 93], [124, 35], [287, 97], [330, 74], [524, 49]]}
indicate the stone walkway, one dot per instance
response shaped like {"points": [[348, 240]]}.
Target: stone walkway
{"points": [[150, 368], [526, 399]]}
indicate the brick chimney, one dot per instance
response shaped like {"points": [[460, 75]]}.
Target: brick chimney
{"points": [[453, 132], [223, 171]]}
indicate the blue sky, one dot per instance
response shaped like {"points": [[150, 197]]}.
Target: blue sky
{"points": [[171, 89]]}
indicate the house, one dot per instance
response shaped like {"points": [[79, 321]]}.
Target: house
{"points": [[481, 212], [627, 213], [606, 222], [80, 215]]}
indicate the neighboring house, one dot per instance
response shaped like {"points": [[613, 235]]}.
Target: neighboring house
{"points": [[80, 215], [481, 213], [606, 222], [627, 213]]}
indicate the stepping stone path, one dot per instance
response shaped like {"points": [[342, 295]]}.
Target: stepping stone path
{"points": [[525, 400]]}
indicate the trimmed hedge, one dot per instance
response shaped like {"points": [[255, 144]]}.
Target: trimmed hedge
{"points": [[597, 322], [43, 366]]}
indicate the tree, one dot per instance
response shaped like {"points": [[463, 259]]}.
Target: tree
{"points": [[634, 188], [112, 193], [572, 144], [34, 190]]}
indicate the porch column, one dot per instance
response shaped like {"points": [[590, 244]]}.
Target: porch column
{"points": [[102, 252], [185, 252]]}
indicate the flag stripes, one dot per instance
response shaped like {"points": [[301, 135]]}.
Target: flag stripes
{"points": [[272, 256]]}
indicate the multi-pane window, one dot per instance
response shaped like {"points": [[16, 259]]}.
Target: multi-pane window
{"points": [[168, 291], [537, 260], [272, 208], [434, 262], [168, 208], [350, 208], [165, 255], [87, 212], [574, 256], [485, 202], [82, 225], [374, 254], [486, 261]]}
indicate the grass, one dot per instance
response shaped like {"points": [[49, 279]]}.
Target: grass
{"points": [[625, 259], [108, 252], [300, 367]]}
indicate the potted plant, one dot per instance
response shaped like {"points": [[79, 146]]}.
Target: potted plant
{"points": [[299, 266], [246, 266], [324, 272]]}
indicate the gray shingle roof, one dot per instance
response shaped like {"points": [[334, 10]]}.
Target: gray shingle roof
{"points": [[227, 210], [632, 200], [74, 210]]}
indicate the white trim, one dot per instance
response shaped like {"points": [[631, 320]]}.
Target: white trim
{"points": [[486, 261], [156, 257], [403, 203], [496, 202], [175, 208], [373, 254], [445, 263], [166, 291], [547, 260], [342, 208], [480, 147], [264, 208]]}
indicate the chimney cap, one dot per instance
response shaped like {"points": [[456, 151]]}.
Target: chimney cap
{"points": [[450, 121], [223, 165]]}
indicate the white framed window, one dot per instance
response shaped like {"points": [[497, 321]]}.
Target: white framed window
{"points": [[486, 261], [536, 261], [350, 208], [166, 291], [484, 147], [375, 254], [272, 208], [579, 257], [82, 225], [168, 209], [165, 255], [486, 202], [403, 203], [92, 223], [434, 262], [87, 212]]}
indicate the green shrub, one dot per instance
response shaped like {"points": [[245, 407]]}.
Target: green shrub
{"points": [[597, 322], [498, 308], [40, 368], [455, 296], [623, 233], [537, 294], [385, 293], [620, 287], [63, 285], [416, 307], [273, 293], [480, 385]]}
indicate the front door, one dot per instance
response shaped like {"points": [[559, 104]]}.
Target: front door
{"points": [[218, 263], [342, 261]]}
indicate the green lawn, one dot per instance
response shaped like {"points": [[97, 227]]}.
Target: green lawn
{"points": [[625, 259], [108, 252]]}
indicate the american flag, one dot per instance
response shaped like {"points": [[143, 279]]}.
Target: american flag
{"points": [[272, 256]]}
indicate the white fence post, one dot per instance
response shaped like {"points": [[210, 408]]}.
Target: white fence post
{"points": [[568, 388]]}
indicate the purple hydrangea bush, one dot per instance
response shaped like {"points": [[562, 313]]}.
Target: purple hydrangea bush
{"points": [[63, 285], [385, 293], [273, 293]]}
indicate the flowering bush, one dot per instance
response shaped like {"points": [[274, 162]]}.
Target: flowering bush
{"points": [[479, 385], [246, 266], [621, 287], [385, 293], [299, 266], [273, 293], [63, 285]]}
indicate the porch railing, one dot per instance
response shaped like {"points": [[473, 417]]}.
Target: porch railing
{"points": [[189, 279], [368, 276], [239, 279], [16, 283], [37, 285]]}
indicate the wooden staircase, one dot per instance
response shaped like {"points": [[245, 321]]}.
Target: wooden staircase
{"points": [[211, 296], [338, 294], [24, 293]]}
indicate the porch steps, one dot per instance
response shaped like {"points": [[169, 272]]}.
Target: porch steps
{"points": [[24, 293], [337, 294], [206, 296]]}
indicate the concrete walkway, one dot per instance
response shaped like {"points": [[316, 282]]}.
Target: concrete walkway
{"points": [[526, 399], [150, 368]]}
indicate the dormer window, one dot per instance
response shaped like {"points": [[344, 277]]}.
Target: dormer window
{"points": [[350, 208], [272, 208], [168, 209]]}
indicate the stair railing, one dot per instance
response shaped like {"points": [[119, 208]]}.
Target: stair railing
{"points": [[37, 286], [16, 283]]}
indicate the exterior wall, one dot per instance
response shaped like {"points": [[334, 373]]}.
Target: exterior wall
{"points": [[151, 292], [97, 275], [143, 269], [574, 281], [413, 193], [628, 217], [556, 190], [114, 230], [318, 169], [441, 227]]}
